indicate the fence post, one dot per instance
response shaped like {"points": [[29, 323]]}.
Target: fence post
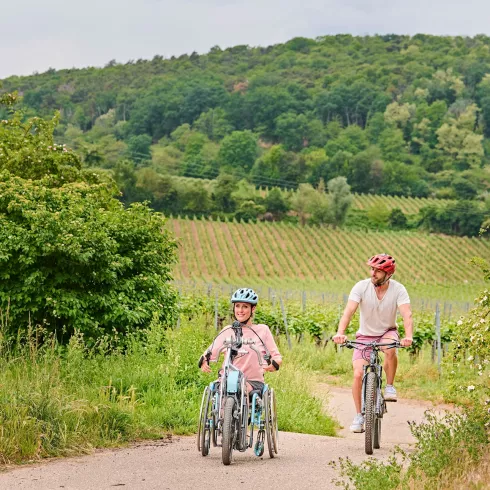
{"points": [[285, 322], [438, 338]]}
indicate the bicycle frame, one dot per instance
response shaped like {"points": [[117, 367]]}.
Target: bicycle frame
{"points": [[373, 405], [373, 366]]}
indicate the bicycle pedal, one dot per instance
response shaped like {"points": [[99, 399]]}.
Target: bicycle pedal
{"points": [[387, 400]]}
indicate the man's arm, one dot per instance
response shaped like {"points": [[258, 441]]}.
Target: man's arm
{"points": [[406, 313], [350, 309]]}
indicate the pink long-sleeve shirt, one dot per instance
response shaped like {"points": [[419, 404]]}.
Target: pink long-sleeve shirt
{"points": [[248, 363]]}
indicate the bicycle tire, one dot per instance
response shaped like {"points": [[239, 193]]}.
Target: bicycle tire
{"points": [[229, 426], [202, 417], [215, 411], [268, 422], [377, 427], [377, 433], [274, 424], [370, 412]]}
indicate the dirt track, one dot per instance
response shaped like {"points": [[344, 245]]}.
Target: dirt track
{"points": [[302, 461]]}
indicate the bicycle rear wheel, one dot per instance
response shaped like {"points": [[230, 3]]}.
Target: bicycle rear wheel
{"points": [[270, 413], [370, 412], [203, 430], [229, 431], [377, 426]]}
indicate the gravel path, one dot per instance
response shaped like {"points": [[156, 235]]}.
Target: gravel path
{"points": [[175, 464]]}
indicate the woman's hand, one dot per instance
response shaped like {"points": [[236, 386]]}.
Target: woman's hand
{"points": [[270, 368], [205, 367]]}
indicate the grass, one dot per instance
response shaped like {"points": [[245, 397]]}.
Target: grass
{"points": [[416, 378], [59, 401]]}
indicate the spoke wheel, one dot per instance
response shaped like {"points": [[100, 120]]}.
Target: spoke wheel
{"points": [[229, 431], [274, 426], [370, 408], [271, 422], [203, 438], [214, 419]]}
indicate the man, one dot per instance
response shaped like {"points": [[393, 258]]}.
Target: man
{"points": [[378, 297]]}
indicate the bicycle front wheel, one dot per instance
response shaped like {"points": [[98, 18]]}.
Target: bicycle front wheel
{"points": [[370, 411], [229, 431]]}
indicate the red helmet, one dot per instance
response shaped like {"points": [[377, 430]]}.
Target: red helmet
{"points": [[383, 262]]}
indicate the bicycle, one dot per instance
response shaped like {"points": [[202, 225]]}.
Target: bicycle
{"points": [[225, 407], [373, 404]]}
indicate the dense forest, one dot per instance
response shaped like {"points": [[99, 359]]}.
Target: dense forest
{"points": [[394, 115]]}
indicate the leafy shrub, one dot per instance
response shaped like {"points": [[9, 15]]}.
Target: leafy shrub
{"points": [[71, 256]]}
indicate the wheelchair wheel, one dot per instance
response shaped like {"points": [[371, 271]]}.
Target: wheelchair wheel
{"points": [[204, 429], [229, 431], [271, 430], [215, 412]]}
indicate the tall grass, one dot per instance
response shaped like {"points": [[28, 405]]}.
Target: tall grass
{"points": [[417, 377], [64, 400]]}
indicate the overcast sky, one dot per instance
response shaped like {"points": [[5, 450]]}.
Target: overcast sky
{"points": [[38, 35]]}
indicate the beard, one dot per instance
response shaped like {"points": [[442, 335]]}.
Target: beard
{"points": [[378, 282]]}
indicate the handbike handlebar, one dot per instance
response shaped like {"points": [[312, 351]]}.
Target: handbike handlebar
{"points": [[231, 342]]}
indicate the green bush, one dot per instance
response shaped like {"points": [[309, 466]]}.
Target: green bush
{"points": [[71, 257]]}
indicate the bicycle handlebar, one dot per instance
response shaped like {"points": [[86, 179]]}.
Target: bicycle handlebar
{"points": [[354, 344]]}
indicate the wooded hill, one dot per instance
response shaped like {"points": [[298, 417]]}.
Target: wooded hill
{"points": [[395, 115]]}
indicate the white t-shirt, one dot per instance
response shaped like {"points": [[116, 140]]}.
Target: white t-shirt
{"points": [[378, 316]]}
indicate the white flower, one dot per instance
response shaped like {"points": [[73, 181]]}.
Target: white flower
{"points": [[470, 358], [460, 322], [471, 388]]}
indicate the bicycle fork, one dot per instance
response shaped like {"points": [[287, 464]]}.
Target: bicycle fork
{"points": [[380, 405]]}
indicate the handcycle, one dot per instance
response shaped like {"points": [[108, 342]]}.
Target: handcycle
{"points": [[373, 404], [225, 417]]}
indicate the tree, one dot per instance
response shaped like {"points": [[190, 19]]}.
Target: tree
{"points": [[457, 139], [302, 200], [139, 147], [223, 198], [292, 131], [238, 151], [213, 123], [275, 202], [378, 215], [71, 256], [464, 189], [340, 200], [397, 220]]}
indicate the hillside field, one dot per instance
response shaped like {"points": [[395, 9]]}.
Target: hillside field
{"points": [[285, 256]]}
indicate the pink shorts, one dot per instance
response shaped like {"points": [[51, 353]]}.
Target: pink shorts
{"points": [[391, 333]]}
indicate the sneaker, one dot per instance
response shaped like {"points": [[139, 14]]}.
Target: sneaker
{"points": [[357, 423], [390, 393]]}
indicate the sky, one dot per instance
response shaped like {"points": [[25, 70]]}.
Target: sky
{"points": [[36, 36]]}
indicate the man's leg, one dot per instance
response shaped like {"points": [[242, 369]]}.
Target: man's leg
{"points": [[358, 422], [390, 366], [391, 359]]}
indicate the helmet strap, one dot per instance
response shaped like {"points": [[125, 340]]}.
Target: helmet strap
{"points": [[384, 282]]}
